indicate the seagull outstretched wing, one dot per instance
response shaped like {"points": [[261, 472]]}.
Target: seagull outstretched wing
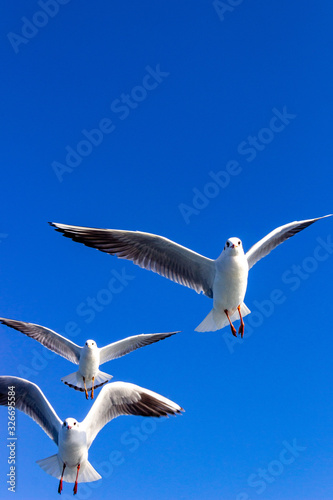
{"points": [[122, 347], [274, 238], [150, 251], [30, 399], [121, 398], [48, 338]]}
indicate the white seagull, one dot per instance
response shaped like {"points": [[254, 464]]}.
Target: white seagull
{"points": [[89, 357], [223, 279], [74, 438]]}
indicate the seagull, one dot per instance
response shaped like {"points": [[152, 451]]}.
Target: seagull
{"points": [[89, 357], [224, 279], [74, 438]]}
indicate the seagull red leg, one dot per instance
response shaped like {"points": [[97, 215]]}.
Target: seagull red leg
{"points": [[92, 388], [85, 388], [241, 328], [233, 329], [60, 483], [75, 485]]}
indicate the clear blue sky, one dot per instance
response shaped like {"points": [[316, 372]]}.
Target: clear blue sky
{"points": [[208, 128]]}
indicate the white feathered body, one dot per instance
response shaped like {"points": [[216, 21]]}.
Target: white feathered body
{"points": [[72, 451], [230, 282], [73, 448], [229, 288], [89, 362]]}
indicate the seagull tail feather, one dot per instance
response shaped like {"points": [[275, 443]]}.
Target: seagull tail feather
{"points": [[101, 378], [53, 465], [215, 320], [212, 322], [75, 380]]}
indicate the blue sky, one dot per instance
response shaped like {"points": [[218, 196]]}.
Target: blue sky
{"points": [[181, 120]]}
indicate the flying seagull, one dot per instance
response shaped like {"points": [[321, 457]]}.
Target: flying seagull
{"points": [[74, 438], [223, 279], [89, 357]]}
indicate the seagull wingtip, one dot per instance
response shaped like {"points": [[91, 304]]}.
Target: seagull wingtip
{"points": [[175, 412], [57, 226], [324, 216]]}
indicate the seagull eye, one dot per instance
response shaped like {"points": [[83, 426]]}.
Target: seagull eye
{"points": [[239, 243], [228, 244], [74, 423], [64, 424]]}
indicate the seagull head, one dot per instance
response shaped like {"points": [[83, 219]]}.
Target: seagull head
{"points": [[70, 423], [233, 246], [90, 344]]}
